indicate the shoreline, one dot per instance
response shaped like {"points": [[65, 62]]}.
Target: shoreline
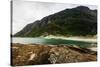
{"points": [[92, 47], [76, 38]]}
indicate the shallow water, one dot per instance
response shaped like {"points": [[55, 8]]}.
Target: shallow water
{"points": [[41, 40]]}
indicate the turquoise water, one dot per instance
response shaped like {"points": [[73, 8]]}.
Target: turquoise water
{"points": [[49, 41]]}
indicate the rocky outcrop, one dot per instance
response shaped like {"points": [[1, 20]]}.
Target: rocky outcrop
{"points": [[35, 54]]}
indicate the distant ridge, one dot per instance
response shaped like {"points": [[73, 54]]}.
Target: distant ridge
{"points": [[79, 21]]}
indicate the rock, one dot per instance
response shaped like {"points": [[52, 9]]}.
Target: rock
{"points": [[67, 55], [35, 54]]}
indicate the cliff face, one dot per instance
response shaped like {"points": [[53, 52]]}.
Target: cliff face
{"points": [[76, 21], [35, 54]]}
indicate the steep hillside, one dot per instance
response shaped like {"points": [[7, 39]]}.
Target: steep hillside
{"points": [[79, 21]]}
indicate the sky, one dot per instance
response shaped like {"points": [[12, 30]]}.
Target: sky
{"points": [[25, 12]]}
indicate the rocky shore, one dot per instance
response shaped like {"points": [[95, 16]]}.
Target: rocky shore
{"points": [[35, 54]]}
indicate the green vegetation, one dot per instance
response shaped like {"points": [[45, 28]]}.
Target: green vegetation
{"points": [[79, 21]]}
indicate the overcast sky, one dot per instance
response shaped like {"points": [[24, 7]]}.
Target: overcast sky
{"points": [[25, 12]]}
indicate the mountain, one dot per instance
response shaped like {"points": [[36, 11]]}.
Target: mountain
{"points": [[78, 21]]}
